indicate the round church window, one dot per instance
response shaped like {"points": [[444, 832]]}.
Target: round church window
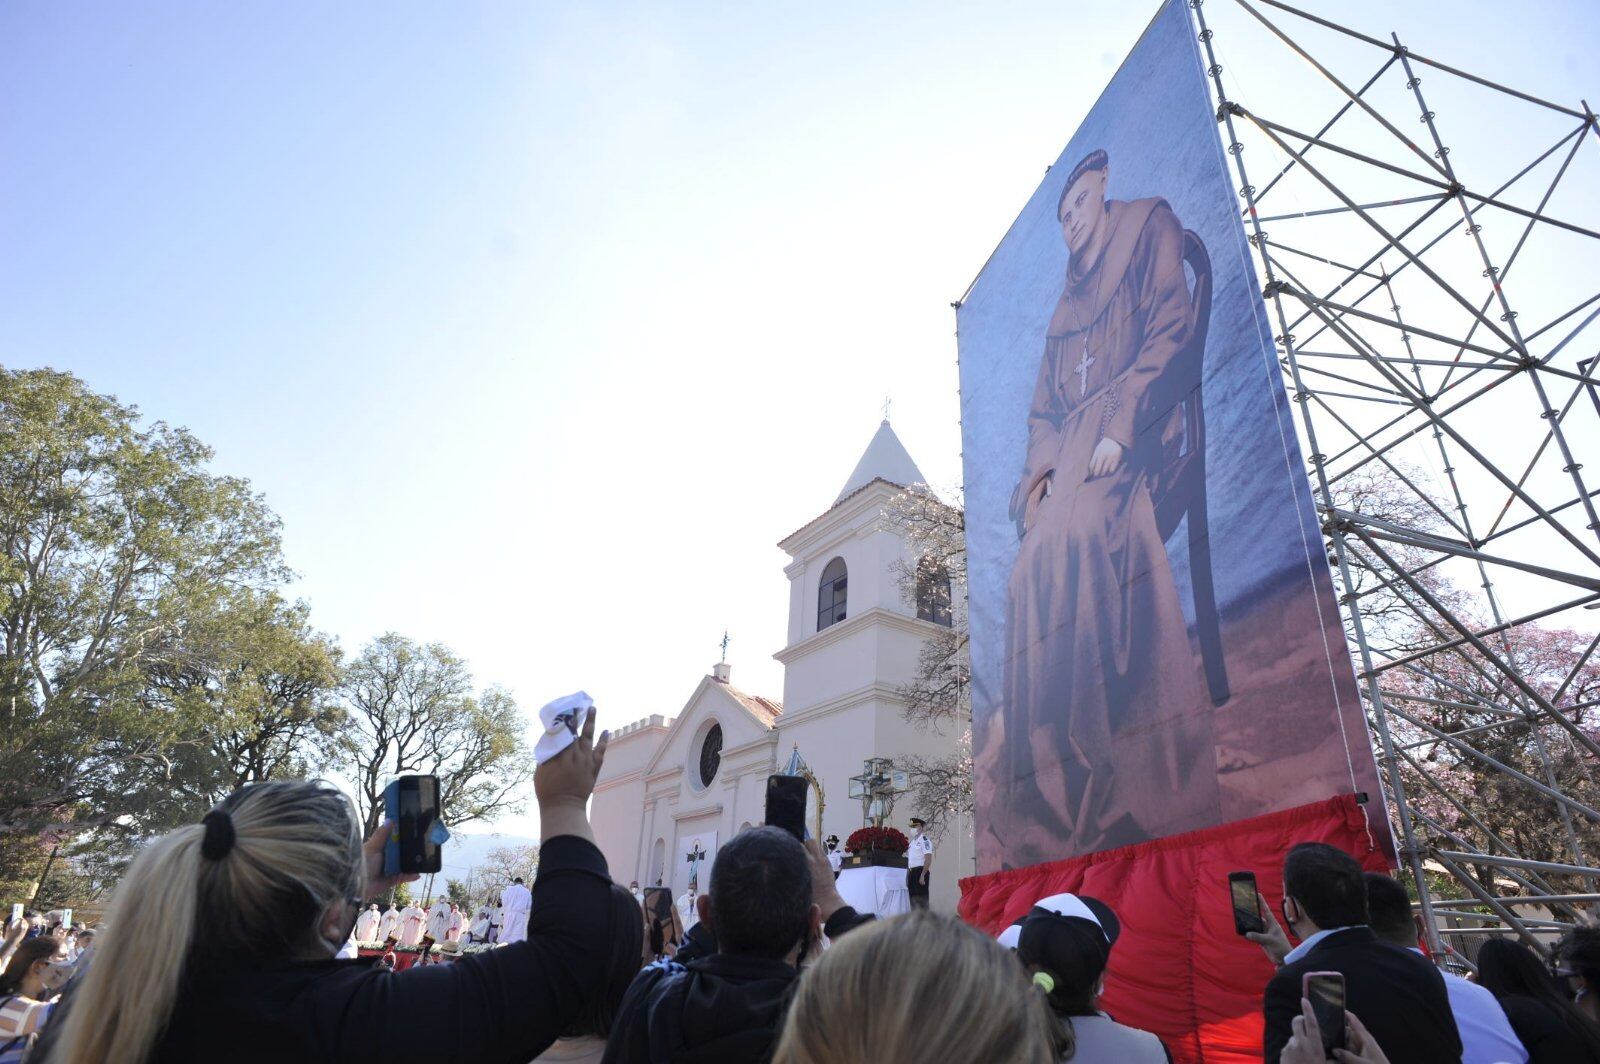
{"points": [[710, 755]]}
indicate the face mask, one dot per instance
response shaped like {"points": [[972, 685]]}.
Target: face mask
{"points": [[55, 974]]}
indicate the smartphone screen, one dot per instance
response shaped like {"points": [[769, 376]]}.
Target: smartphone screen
{"points": [[16, 911], [658, 903], [413, 804], [786, 804], [1246, 916], [1326, 993]]}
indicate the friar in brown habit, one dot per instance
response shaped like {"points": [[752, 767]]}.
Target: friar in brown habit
{"points": [[1107, 727]]}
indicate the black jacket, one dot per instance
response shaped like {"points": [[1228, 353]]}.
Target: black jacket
{"points": [[505, 1006], [710, 1009], [1544, 1033], [698, 942], [1398, 994], [713, 1010]]}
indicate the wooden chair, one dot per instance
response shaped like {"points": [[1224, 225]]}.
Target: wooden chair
{"points": [[1178, 483]]}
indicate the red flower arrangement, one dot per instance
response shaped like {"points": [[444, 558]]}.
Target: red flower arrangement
{"points": [[884, 840]]}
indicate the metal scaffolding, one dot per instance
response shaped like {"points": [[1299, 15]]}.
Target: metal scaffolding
{"points": [[1445, 445]]}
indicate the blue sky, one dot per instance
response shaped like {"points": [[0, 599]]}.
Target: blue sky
{"points": [[540, 324]]}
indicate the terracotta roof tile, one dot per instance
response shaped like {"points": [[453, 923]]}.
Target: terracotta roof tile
{"points": [[764, 708]]}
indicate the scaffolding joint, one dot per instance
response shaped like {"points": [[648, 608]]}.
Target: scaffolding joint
{"points": [[1274, 287]]}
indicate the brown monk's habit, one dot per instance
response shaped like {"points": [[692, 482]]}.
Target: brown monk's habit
{"points": [[1106, 738]]}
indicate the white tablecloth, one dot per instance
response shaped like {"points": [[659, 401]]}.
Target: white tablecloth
{"points": [[875, 890]]}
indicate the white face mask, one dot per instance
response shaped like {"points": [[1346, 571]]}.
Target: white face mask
{"points": [[54, 975]]}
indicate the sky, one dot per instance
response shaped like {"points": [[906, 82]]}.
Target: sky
{"points": [[540, 324]]}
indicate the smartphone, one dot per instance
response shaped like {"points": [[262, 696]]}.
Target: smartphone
{"points": [[412, 802], [1325, 990], [786, 804], [16, 912], [1246, 913], [66, 919], [658, 903]]}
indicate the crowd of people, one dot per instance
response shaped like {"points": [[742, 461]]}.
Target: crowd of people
{"points": [[221, 943]]}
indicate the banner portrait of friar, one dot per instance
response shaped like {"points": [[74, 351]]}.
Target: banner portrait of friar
{"points": [[1155, 644]]}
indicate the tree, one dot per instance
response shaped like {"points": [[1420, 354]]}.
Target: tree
{"points": [[1435, 684], [938, 696], [264, 684], [114, 541], [411, 710], [938, 693], [459, 893], [506, 863]]}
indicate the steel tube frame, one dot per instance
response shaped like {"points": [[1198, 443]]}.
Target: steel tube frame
{"points": [[1360, 371]]}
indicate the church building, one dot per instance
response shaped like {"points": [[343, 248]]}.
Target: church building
{"points": [[675, 786]]}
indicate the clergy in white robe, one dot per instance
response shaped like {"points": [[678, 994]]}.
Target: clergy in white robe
{"points": [[438, 920], [458, 921], [412, 919], [390, 925], [367, 925], [688, 911], [478, 931], [515, 905]]}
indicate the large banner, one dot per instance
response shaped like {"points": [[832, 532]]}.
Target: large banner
{"points": [[1156, 646]]}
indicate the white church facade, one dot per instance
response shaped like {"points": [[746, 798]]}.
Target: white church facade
{"points": [[671, 784]]}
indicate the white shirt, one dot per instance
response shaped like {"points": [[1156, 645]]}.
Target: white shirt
{"points": [[920, 848], [1486, 1035], [688, 912], [1306, 946], [835, 860]]}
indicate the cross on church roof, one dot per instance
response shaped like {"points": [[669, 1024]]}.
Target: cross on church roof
{"points": [[724, 646]]}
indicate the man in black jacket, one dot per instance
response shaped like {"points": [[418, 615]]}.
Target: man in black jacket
{"points": [[766, 909], [1398, 994]]}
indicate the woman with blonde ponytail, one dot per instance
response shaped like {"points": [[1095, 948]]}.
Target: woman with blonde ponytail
{"points": [[221, 940], [915, 988]]}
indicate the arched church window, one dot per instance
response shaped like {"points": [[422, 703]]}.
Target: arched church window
{"points": [[933, 592], [831, 594], [710, 755]]}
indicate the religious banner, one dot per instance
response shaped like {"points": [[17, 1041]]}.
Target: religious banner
{"points": [[1156, 646], [695, 854]]}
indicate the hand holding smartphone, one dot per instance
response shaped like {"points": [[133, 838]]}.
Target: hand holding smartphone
{"points": [[1246, 909], [1325, 991], [412, 804], [786, 804]]}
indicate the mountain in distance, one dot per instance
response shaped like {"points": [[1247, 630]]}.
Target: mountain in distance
{"points": [[465, 852]]}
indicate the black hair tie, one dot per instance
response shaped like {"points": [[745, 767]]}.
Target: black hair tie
{"points": [[219, 835]]}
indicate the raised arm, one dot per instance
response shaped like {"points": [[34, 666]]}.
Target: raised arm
{"points": [[507, 1004]]}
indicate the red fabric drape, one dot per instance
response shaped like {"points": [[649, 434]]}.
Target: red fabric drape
{"points": [[1179, 969]]}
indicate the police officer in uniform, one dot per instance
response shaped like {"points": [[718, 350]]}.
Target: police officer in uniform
{"points": [[919, 864]]}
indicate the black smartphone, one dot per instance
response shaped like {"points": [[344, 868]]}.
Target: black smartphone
{"points": [[658, 903], [786, 804], [1246, 913], [1325, 990], [412, 802]]}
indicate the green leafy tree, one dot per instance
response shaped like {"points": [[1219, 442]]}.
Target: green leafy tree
{"points": [[115, 541], [411, 710], [264, 685]]}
